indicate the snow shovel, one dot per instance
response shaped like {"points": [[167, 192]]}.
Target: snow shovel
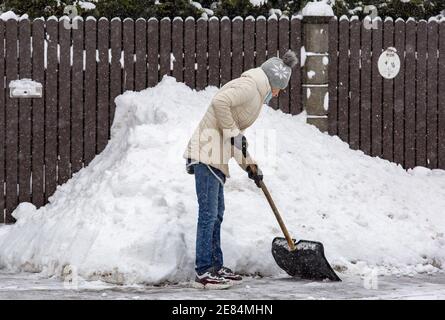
{"points": [[304, 259]]}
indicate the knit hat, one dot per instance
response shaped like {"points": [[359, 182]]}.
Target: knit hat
{"points": [[278, 70]]}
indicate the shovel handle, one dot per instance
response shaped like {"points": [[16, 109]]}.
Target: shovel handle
{"points": [[289, 240]]}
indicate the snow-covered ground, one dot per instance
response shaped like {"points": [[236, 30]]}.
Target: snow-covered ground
{"points": [[33, 286], [130, 216]]}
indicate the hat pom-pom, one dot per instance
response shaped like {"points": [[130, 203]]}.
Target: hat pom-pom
{"points": [[290, 59]]}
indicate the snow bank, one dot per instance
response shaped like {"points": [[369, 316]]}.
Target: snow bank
{"points": [[317, 8], [130, 216]]}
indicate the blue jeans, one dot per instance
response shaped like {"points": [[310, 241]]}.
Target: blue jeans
{"points": [[210, 193]]}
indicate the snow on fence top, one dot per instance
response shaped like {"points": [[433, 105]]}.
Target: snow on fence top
{"points": [[8, 16], [272, 17], [11, 15]]}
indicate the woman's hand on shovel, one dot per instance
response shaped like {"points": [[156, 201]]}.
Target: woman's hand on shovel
{"points": [[255, 174]]}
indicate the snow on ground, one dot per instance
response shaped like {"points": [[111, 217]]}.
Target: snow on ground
{"points": [[130, 216]]}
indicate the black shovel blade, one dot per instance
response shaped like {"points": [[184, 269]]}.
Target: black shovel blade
{"points": [[306, 262]]}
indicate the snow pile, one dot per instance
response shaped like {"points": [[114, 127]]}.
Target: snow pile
{"points": [[130, 216], [317, 8]]}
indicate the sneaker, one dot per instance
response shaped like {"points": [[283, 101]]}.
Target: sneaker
{"points": [[226, 273], [212, 281]]}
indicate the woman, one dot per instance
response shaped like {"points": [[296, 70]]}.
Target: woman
{"points": [[219, 137]]}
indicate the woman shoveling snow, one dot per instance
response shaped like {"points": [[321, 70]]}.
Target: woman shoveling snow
{"points": [[219, 137]]}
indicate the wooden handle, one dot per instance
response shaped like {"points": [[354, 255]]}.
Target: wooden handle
{"points": [[290, 242]]}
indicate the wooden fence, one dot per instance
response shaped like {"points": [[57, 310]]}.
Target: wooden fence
{"points": [[82, 69], [44, 141], [401, 120]]}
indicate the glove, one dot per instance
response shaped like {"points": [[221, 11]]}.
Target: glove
{"points": [[256, 176], [189, 166], [240, 142]]}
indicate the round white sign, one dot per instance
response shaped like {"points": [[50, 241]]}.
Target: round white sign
{"points": [[389, 63]]}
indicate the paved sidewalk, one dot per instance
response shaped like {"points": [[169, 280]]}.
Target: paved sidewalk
{"points": [[33, 286]]}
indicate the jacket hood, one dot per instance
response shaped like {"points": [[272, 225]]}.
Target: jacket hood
{"points": [[261, 80]]}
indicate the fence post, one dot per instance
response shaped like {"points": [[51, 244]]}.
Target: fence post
{"points": [[315, 70]]}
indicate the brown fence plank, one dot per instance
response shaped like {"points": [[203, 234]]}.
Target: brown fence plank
{"points": [[295, 97], [272, 47], [153, 51], [283, 47], [376, 94], [249, 43], [116, 66], [343, 80], [201, 53], [140, 43], [410, 95], [333, 77], [51, 109], [399, 94], [260, 40], [11, 121], [2, 123], [165, 47], [421, 130], [354, 85], [38, 114], [178, 48], [422, 33], [103, 84], [214, 74], [24, 114], [365, 89], [77, 101], [128, 45], [388, 98], [432, 119], [90, 91], [225, 50], [237, 47], [441, 115], [189, 52], [64, 87]]}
